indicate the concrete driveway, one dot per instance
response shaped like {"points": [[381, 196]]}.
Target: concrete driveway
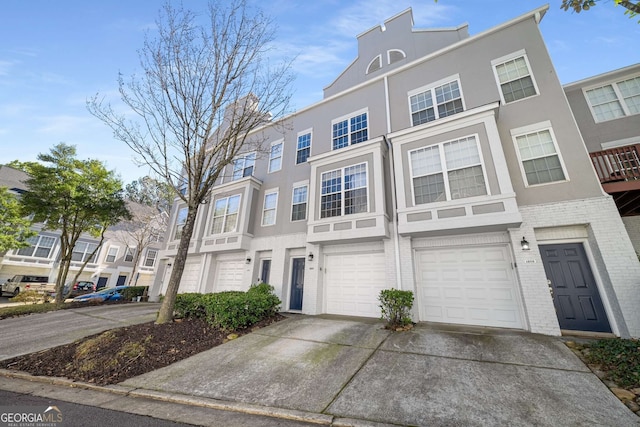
{"points": [[353, 371], [35, 332]]}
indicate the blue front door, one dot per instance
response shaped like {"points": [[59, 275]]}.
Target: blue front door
{"points": [[297, 284]]}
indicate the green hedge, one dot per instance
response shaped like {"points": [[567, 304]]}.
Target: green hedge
{"points": [[133, 291], [229, 310], [395, 306]]}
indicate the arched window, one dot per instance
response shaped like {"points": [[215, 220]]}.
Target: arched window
{"points": [[395, 55], [375, 64]]}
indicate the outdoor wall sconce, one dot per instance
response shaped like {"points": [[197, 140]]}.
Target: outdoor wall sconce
{"points": [[524, 244], [169, 265], [310, 257], [248, 260]]}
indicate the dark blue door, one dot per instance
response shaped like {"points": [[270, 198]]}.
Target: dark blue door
{"points": [[575, 294], [121, 280], [297, 284], [266, 269], [102, 282]]}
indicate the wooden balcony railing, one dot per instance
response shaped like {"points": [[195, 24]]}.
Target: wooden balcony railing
{"points": [[617, 164]]}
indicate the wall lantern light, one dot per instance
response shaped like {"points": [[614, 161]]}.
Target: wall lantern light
{"points": [[524, 244], [248, 260], [310, 257]]}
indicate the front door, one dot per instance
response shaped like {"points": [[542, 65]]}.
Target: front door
{"points": [[575, 294], [121, 280], [297, 284]]}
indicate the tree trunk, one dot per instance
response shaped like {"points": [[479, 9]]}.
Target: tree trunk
{"points": [[165, 314], [136, 260]]}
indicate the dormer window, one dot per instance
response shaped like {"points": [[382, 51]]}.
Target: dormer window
{"points": [[375, 64]]}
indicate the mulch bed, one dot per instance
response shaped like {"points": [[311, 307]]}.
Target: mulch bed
{"points": [[119, 354]]}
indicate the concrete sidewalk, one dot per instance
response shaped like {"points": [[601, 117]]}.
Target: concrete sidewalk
{"points": [[340, 371]]}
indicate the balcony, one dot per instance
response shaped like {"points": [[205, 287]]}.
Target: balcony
{"points": [[619, 172]]}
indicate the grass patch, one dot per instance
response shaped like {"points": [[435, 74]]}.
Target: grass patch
{"points": [[620, 358]]}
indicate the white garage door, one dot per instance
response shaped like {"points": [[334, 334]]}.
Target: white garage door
{"points": [[353, 283], [229, 276], [473, 286], [190, 276]]}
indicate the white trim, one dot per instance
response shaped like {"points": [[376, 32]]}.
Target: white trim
{"points": [[619, 97], [404, 55], [211, 217], [342, 191], [515, 55], [529, 129], [377, 58], [293, 187], [621, 142], [108, 254], [302, 133], [431, 89], [347, 118]]}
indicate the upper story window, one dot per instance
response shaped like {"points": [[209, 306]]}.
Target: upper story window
{"points": [[83, 250], [344, 191], [225, 214], [375, 64], [243, 166], [41, 247], [299, 203], [615, 100], [514, 77], [538, 154], [447, 171], [303, 149], [269, 208], [111, 254], [440, 100], [129, 253], [181, 218], [349, 131], [275, 157], [150, 259], [395, 55]]}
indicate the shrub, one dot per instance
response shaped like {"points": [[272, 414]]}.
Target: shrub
{"points": [[395, 306], [230, 310], [28, 297], [133, 291]]}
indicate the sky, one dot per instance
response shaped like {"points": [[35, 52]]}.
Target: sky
{"points": [[54, 55]]}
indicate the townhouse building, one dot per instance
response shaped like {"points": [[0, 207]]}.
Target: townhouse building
{"points": [[438, 162], [607, 108], [112, 265]]}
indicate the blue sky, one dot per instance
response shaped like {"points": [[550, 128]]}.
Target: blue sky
{"points": [[56, 54]]}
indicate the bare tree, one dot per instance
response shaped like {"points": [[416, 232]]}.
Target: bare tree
{"points": [[204, 92], [146, 227]]}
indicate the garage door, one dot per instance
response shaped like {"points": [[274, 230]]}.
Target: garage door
{"points": [[353, 283], [474, 286], [190, 276], [229, 276]]}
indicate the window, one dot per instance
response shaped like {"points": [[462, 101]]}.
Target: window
{"points": [[447, 171], [83, 250], [351, 198], [349, 131], [180, 220], [111, 254], [436, 102], [304, 147], [514, 77], [225, 214], [243, 166], [41, 247], [269, 209], [266, 269], [128, 254], [615, 100], [150, 259], [299, 203], [275, 157], [375, 64], [395, 55], [538, 154]]}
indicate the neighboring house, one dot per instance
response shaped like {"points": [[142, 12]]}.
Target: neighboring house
{"points": [[439, 163], [111, 266], [607, 110]]}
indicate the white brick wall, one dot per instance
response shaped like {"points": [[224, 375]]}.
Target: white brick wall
{"points": [[632, 224], [616, 265]]}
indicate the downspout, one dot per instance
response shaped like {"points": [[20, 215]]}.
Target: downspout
{"points": [[394, 200]]}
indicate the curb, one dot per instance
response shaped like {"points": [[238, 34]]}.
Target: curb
{"points": [[288, 414]]}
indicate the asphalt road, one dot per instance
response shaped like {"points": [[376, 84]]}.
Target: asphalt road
{"points": [[35, 332], [76, 415]]}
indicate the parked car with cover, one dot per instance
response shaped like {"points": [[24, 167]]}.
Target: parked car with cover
{"points": [[20, 283], [108, 294]]}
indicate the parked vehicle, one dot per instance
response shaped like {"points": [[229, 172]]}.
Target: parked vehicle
{"points": [[79, 288], [21, 283], [109, 294]]}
